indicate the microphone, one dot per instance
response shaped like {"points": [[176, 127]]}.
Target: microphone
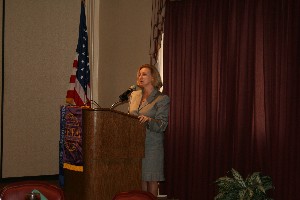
{"points": [[124, 96]]}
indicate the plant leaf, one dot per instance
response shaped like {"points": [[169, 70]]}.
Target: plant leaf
{"points": [[254, 187], [238, 177]]}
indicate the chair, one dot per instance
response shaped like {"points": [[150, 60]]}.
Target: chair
{"points": [[18, 190], [134, 195]]}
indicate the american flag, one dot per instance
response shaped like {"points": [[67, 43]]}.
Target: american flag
{"points": [[79, 91]]}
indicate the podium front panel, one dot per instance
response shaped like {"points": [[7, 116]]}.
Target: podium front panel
{"points": [[113, 148]]}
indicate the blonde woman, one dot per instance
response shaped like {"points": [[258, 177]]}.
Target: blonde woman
{"points": [[152, 109]]}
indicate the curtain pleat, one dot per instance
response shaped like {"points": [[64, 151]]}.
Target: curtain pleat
{"points": [[231, 69]]}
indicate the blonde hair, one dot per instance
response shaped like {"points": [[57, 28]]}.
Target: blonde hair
{"points": [[157, 83]]}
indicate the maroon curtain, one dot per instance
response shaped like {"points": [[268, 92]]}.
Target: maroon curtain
{"points": [[231, 69]]}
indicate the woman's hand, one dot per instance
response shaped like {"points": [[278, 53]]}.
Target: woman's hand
{"points": [[144, 119]]}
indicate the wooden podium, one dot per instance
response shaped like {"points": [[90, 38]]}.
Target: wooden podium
{"points": [[113, 148]]}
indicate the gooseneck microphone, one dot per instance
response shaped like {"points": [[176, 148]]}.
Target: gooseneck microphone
{"points": [[124, 97]]}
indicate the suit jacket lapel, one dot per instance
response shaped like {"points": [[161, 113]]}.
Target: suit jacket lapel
{"points": [[152, 96]]}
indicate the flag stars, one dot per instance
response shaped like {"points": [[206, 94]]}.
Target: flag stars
{"points": [[82, 61]]}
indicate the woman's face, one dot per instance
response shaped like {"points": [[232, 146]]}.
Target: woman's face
{"points": [[145, 77]]}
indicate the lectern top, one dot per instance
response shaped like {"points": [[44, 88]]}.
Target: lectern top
{"points": [[109, 110]]}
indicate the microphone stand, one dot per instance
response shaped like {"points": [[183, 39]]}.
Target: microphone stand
{"points": [[115, 104], [124, 97]]}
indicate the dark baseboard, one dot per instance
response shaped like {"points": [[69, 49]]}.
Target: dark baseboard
{"points": [[34, 178]]}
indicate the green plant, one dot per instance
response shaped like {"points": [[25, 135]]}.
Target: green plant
{"points": [[234, 187]]}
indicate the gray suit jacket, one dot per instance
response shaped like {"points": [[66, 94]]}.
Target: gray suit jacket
{"points": [[156, 106]]}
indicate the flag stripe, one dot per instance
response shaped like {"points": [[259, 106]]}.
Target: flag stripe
{"points": [[79, 86], [72, 79]]}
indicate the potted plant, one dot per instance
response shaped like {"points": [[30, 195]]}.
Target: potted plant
{"points": [[234, 187]]}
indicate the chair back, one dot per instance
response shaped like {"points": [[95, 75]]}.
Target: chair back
{"points": [[134, 195], [19, 190]]}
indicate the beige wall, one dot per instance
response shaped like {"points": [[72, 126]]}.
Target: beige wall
{"points": [[124, 43], [40, 43]]}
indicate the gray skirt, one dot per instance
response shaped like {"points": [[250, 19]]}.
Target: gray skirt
{"points": [[153, 163]]}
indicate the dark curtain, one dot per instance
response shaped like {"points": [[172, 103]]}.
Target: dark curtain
{"points": [[231, 69]]}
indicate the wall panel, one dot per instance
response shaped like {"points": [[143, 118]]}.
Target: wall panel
{"points": [[40, 42], [124, 45]]}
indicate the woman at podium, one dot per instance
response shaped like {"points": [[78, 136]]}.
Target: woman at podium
{"points": [[152, 109]]}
